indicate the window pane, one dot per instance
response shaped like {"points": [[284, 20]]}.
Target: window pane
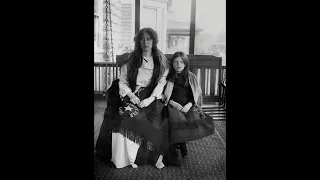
{"points": [[178, 26], [178, 43], [211, 36], [149, 17], [171, 20], [153, 14]]}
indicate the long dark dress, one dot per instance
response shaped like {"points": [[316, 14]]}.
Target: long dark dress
{"points": [[187, 126], [145, 126]]}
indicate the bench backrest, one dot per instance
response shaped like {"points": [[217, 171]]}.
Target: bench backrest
{"points": [[207, 68]]}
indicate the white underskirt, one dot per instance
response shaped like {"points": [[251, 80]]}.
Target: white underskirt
{"points": [[124, 152]]}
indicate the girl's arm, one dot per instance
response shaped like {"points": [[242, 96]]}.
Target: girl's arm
{"points": [[175, 105]]}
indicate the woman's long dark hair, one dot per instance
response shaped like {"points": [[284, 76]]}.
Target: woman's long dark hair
{"points": [[135, 59], [185, 72]]}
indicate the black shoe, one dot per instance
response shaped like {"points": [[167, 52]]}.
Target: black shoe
{"points": [[172, 157], [183, 149], [175, 145]]}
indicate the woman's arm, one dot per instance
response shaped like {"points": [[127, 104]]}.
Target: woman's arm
{"points": [[159, 88], [124, 89], [157, 92]]}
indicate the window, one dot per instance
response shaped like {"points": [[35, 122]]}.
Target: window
{"points": [[154, 14], [172, 20], [178, 26], [178, 42], [210, 37]]}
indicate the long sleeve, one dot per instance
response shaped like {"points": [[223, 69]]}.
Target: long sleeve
{"points": [[124, 88], [157, 92]]}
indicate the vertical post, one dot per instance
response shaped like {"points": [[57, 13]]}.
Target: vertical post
{"points": [[203, 80], [213, 82], [95, 78], [192, 27], [220, 77], [137, 16]]}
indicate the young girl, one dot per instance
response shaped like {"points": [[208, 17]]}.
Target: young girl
{"points": [[183, 98]]}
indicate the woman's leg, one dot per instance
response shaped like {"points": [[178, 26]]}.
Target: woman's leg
{"points": [[132, 151], [124, 151], [159, 163]]}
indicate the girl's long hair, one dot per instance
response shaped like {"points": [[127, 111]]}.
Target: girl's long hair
{"points": [[135, 59], [185, 72]]}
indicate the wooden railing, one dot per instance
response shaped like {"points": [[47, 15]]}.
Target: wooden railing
{"points": [[207, 68], [100, 81]]}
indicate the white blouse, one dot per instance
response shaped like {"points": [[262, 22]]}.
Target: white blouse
{"points": [[143, 79]]}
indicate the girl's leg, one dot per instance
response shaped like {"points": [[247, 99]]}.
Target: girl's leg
{"points": [[183, 149], [172, 157]]}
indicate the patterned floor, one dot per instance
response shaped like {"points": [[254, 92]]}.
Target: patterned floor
{"points": [[221, 128], [206, 160]]}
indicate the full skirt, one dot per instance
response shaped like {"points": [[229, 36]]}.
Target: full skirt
{"points": [[131, 135]]}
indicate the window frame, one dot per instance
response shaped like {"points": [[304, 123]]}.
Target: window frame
{"points": [[192, 23]]}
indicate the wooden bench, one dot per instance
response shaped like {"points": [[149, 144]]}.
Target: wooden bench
{"points": [[207, 68]]}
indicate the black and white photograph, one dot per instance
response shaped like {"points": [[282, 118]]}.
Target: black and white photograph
{"points": [[158, 110], [160, 89]]}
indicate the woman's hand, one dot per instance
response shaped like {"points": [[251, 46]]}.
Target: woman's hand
{"points": [[175, 105], [133, 98], [146, 102], [187, 107]]}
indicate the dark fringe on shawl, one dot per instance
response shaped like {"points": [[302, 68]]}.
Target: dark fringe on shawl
{"points": [[129, 134], [138, 139]]}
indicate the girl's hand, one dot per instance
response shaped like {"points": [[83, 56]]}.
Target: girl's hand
{"points": [[146, 102], [175, 105], [187, 107]]}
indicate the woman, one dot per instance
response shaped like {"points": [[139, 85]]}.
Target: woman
{"points": [[183, 98], [135, 124]]}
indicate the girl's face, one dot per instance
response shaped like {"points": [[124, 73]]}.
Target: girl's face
{"points": [[178, 65], [146, 42]]}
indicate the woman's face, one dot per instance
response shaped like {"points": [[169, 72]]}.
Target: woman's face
{"points": [[146, 42], [178, 64]]}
